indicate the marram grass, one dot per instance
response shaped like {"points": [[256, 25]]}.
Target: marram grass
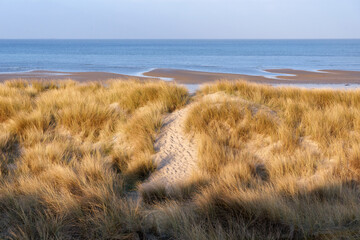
{"points": [[274, 163]]}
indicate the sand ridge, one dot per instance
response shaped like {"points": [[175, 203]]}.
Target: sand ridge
{"points": [[176, 156]]}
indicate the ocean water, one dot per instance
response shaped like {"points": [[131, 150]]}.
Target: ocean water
{"points": [[134, 57]]}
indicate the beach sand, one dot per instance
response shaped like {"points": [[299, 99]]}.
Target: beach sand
{"points": [[197, 77], [54, 75], [176, 156], [297, 76], [321, 76]]}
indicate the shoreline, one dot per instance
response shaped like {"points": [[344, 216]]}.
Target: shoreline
{"points": [[281, 76], [58, 75]]}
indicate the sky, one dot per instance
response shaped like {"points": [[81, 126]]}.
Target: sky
{"points": [[179, 19]]}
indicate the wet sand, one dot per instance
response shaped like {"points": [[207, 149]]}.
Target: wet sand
{"points": [[54, 75], [323, 77], [198, 77]]}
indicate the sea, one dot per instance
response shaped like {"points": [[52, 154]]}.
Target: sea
{"points": [[134, 57]]}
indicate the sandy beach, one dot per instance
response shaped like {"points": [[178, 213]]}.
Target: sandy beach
{"points": [[198, 77], [55, 75], [294, 76], [321, 76], [286, 76]]}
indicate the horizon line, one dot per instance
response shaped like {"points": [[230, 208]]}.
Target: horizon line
{"points": [[179, 38]]}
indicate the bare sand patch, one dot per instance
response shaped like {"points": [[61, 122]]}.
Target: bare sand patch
{"points": [[176, 155]]}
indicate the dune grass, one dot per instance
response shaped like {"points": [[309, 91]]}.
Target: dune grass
{"points": [[284, 162], [274, 163], [70, 153]]}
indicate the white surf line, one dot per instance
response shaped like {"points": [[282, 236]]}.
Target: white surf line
{"points": [[271, 75], [141, 74], [191, 87], [277, 75]]}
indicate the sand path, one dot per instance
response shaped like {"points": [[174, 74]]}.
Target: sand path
{"points": [[176, 155]]}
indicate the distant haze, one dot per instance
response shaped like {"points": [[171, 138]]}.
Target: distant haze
{"points": [[241, 19]]}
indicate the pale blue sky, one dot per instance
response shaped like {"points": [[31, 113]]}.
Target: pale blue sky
{"points": [[180, 19]]}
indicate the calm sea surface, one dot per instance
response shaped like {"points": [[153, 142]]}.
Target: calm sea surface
{"points": [[137, 56]]}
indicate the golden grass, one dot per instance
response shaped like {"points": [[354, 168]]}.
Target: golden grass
{"points": [[70, 152], [284, 162], [274, 163]]}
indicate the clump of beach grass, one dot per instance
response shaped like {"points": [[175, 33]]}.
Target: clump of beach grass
{"points": [[274, 163], [283, 162], [70, 153]]}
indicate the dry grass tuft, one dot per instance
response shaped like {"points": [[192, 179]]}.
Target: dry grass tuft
{"points": [[274, 163], [69, 152], [284, 162]]}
